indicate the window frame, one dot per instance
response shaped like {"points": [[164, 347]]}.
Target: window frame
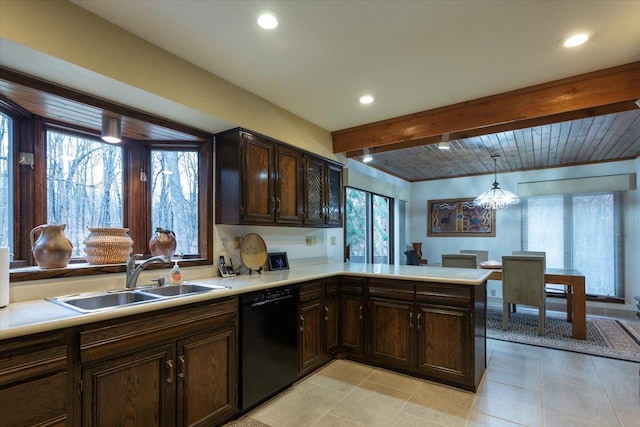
{"points": [[30, 197], [369, 224], [618, 224]]}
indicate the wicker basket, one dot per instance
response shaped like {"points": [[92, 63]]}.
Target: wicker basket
{"points": [[108, 245]]}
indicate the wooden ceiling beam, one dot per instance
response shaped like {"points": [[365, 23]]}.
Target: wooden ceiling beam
{"points": [[566, 99], [505, 127]]}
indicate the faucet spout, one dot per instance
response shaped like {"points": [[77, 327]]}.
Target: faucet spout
{"points": [[133, 271]]}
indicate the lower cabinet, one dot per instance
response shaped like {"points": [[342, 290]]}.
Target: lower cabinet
{"points": [[444, 344], [429, 330], [318, 324], [352, 316], [34, 381], [161, 370]]}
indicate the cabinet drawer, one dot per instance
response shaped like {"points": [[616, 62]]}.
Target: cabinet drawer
{"points": [[440, 293], [396, 289], [32, 356], [310, 291], [119, 335], [352, 285]]}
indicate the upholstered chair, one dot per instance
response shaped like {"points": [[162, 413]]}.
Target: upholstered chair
{"points": [[459, 260], [532, 253], [523, 283], [481, 256]]}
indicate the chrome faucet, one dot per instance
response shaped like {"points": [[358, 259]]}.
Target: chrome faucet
{"points": [[134, 271]]}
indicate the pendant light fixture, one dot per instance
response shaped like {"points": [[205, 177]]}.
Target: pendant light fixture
{"points": [[111, 129], [496, 198]]}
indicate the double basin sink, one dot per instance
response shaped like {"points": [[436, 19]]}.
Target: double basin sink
{"points": [[107, 300]]}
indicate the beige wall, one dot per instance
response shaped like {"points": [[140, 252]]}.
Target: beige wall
{"points": [[59, 29]]}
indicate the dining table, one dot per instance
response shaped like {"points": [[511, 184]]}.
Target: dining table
{"points": [[574, 281]]}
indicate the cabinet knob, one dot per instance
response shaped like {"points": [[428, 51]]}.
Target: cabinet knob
{"points": [[418, 320], [411, 319], [360, 312], [302, 324], [326, 317]]}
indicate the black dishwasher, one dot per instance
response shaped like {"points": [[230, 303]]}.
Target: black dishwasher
{"points": [[268, 343]]}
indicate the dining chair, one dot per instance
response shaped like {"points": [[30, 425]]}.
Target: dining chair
{"points": [[459, 260], [481, 256], [532, 253], [523, 283]]}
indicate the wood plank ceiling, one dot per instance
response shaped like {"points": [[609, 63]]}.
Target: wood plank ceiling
{"points": [[67, 106], [605, 138], [591, 118]]}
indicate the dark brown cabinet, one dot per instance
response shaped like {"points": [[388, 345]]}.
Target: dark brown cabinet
{"points": [[391, 308], [34, 369], [318, 324], [352, 309], [323, 201], [429, 329], [172, 369], [262, 181]]}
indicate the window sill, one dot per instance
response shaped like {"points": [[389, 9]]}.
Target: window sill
{"points": [[84, 269]]}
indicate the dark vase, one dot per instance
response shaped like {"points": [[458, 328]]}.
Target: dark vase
{"points": [[163, 242]]}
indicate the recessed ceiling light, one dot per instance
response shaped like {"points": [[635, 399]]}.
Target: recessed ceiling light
{"points": [[367, 99], [268, 21], [576, 40]]}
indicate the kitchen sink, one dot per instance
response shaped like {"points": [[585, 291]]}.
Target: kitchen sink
{"points": [[107, 300], [86, 303], [182, 289]]}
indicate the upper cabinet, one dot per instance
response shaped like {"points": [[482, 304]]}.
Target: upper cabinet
{"points": [[263, 181]]}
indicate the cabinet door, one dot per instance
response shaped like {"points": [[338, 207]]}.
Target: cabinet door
{"points": [[310, 351], [331, 321], [444, 346], [314, 199], [207, 377], [289, 203], [133, 390], [257, 190], [352, 307], [392, 332], [335, 204]]}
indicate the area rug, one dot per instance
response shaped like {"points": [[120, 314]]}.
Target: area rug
{"points": [[610, 338]]}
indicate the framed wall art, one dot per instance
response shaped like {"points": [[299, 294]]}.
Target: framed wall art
{"points": [[459, 218]]}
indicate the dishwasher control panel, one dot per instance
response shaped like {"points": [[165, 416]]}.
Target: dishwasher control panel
{"points": [[267, 295]]}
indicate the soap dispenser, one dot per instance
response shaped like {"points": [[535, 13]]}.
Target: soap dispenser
{"points": [[176, 274]]}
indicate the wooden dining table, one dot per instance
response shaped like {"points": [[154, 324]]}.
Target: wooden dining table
{"points": [[576, 295]]}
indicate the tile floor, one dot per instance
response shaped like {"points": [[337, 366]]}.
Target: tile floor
{"points": [[522, 385]]}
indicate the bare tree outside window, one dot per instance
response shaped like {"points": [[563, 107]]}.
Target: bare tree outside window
{"points": [[84, 185], [174, 195], [6, 204]]}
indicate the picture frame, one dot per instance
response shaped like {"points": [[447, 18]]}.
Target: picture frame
{"points": [[278, 261], [459, 218]]}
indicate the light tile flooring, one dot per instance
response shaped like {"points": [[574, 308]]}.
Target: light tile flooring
{"points": [[523, 385]]}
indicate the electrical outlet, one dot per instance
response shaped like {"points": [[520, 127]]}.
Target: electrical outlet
{"points": [[333, 240], [493, 292], [308, 240]]}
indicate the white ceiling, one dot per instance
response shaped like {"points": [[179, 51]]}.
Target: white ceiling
{"points": [[412, 55]]}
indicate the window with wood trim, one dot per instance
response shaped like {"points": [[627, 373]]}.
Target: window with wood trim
{"points": [[581, 231], [79, 180]]}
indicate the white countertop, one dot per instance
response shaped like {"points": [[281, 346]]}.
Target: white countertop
{"points": [[28, 317]]}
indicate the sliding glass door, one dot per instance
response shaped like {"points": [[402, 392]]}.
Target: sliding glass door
{"points": [[369, 228]]}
